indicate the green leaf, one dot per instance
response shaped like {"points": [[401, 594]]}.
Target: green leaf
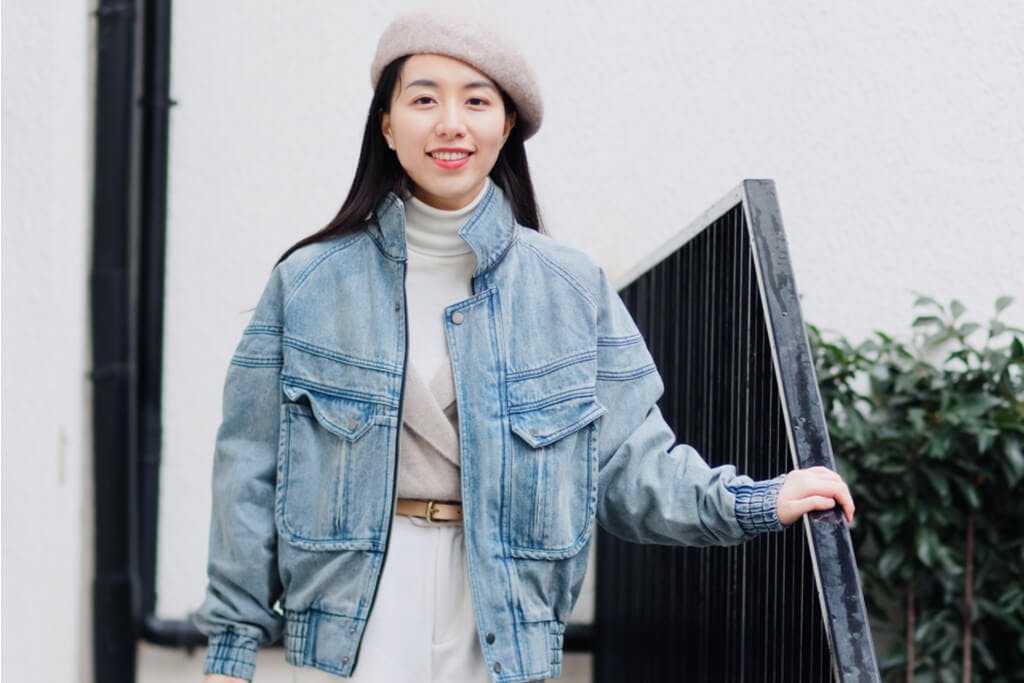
{"points": [[939, 483], [974, 405], [923, 300], [967, 329], [925, 545], [890, 562], [1002, 302], [970, 492], [957, 308], [890, 524], [1017, 348], [985, 439], [916, 417], [1014, 459], [926, 320]]}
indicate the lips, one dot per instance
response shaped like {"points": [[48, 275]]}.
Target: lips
{"points": [[450, 158]]}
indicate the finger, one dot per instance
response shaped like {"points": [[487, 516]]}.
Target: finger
{"points": [[838, 490], [792, 510], [841, 493], [803, 482], [824, 472], [826, 487], [816, 503], [846, 501]]}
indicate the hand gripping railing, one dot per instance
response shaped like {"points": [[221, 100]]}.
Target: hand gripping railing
{"points": [[718, 307]]}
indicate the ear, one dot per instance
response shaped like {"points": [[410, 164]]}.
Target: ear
{"points": [[510, 122], [385, 128]]}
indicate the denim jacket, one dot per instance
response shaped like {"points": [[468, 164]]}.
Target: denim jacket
{"points": [[558, 426]]}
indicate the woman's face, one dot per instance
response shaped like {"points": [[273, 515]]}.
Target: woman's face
{"points": [[447, 124]]}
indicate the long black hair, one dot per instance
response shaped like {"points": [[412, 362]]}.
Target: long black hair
{"points": [[378, 171]]}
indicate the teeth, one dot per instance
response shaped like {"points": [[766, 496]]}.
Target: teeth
{"points": [[449, 156]]}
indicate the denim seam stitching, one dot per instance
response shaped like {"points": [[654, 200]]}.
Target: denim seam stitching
{"points": [[566, 275], [623, 375], [323, 352], [563, 397], [246, 361], [627, 340], [541, 371], [304, 274], [260, 328]]}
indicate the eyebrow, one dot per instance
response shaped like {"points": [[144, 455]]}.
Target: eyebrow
{"points": [[468, 86]]}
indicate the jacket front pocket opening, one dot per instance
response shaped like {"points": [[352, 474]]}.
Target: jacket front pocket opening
{"points": [[553, 478], [334, 465], [341, 488]]}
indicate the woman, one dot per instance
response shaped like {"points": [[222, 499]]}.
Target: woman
{"points": [[431, 318]]}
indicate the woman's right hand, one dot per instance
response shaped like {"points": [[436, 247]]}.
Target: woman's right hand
{"points": [[220, 678]]}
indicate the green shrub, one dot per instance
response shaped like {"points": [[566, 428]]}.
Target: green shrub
{"points": [[929, 434]]}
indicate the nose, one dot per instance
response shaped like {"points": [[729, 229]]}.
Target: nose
{"points": [[451, 122]]}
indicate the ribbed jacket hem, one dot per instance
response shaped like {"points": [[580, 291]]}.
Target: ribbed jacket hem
{"points": [[231, 654]]}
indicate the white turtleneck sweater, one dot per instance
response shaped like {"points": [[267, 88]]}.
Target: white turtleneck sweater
{"points": [[439, 272], [440, 268]]}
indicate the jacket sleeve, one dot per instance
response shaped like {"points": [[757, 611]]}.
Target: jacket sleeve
{"points": [[238, 612], [652, 490]]}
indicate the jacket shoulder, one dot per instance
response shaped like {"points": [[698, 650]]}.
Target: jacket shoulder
{"points": [[567, 261], [294, 269]]}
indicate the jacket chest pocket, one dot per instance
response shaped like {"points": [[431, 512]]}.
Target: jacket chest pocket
{"points": [[553, 476], [333, 471]]}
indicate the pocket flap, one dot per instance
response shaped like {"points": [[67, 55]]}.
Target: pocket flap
{"points": [[346, 417], [543, 426]]}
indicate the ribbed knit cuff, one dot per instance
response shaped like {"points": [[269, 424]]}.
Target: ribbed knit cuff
{"points": [[755, 506], [231, 654]]}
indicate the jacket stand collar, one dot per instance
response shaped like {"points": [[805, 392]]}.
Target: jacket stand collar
{"points": [[488, 231]]}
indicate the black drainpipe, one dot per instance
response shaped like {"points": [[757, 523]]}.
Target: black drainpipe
{"points": [[155, 104], [126, 309], [112, 309]]}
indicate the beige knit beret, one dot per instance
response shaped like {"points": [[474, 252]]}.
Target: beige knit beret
{"points": [[471, 40]]}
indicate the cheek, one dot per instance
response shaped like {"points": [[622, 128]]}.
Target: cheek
{"points": [[407, 130], [493, 133]]}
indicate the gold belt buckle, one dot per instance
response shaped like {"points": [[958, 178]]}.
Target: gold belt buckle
{"points": [[430, 512]]}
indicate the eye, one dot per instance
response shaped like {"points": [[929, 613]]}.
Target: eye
{"points": [[477, 102], [423, 99]]}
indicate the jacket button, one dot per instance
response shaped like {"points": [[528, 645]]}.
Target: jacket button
{"points": [[497, 667], [457, 317], [352, 630], [490, 638], [344, 660]]}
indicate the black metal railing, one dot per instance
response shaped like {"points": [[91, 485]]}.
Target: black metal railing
{"points": [[718, 307]]}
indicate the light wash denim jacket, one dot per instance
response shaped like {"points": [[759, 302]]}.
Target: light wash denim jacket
{"points": [[558, 426]]}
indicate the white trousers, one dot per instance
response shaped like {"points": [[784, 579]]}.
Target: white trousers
{"points": [[422, 627]]}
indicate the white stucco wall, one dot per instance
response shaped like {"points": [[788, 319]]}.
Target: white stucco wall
{"points": [[47, 529], [894, 132]]}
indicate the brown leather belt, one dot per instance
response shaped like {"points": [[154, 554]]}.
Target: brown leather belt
{"points": [[430, 510]]}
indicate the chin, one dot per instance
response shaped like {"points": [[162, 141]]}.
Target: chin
{"points": [[452, 196]]}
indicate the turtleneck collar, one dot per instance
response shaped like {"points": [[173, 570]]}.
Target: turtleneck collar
{"points": [[489, 231], [435, 232]]}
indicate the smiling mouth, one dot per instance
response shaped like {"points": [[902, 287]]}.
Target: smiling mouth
{"points": [[448, 156]]}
